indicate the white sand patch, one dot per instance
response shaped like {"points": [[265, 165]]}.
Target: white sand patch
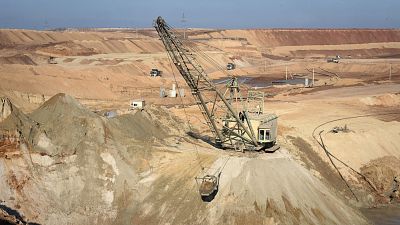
{"points": [[110, 160], [44, 142], [44, 160], [107, 196]]}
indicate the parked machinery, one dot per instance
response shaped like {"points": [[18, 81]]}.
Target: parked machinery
{"points": [[333, 60], [51, 60], [155, 72], [230, 66]]}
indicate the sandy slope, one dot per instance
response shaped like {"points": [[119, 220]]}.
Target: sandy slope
{"points": [[77, 167]]}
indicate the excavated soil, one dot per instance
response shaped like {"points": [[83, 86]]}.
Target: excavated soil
{"points": [[62, 163], [66, 150], [80, 167], [67, 48], [381, 172], [17, 59], [314, 161]]}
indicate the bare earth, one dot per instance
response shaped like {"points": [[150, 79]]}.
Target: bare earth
{"points": [[63, 162]]}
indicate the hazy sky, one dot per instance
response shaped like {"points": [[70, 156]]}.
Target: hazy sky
{"points": [[44, 14]]}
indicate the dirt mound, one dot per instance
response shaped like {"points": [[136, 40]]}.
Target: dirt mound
{"points": [[137, 126], [17, 59], [66, 126], [297, 37], [13, 122], [382, 100], [78, 166], [62, 126], [275, 190], [68, 48], [381, 172], [68, 162], [60, 105], [153, 122]]}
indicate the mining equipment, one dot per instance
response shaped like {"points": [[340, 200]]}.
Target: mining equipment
{"points": [[333, 60], [155, 72], [230, 66], [232, 124], [208, 186], [51, 60]]}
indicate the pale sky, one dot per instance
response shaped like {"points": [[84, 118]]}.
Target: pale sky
{"points": [[45, 14]]}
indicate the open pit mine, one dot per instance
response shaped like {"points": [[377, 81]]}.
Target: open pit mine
{"points": [[199, 126]]}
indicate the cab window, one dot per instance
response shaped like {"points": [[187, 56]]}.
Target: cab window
{"points": [[263, 135]]}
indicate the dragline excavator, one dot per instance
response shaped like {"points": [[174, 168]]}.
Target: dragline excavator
{"points": [[231, 120]]}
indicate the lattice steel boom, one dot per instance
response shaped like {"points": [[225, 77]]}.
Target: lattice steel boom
{"points": [[228, 124]]}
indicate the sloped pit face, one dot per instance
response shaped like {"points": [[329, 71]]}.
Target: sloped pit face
{"points": [[17, 59], [68, 160], [9, 145], [5, 108], [10, 216], [107, 178]]}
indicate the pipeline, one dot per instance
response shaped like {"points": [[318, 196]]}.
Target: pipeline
{"points": [[330, 155]]}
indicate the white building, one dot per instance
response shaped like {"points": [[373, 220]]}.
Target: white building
{"points": [[173, 93], [137, 104]]}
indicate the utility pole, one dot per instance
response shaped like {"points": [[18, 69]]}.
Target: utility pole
{"points": [[184, 20], [286, 72], [265, 65], [313, 76]]}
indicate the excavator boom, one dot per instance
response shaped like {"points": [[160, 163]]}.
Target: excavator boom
{"points": [[215, 107]]}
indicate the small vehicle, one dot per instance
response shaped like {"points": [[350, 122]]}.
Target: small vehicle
{"points": [[230, 66], [51, 60], [333, 60], [155, 72]]}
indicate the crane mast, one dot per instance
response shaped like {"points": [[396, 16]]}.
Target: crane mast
{"points": [[228, 125]]}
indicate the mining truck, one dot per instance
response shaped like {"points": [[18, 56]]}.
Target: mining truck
{"points": [[155, 72]]}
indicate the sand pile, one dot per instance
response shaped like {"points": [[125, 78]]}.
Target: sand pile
{"points": [[382, 100], [68, 48], [62, 126], [381, 173], [56, 128], [13, 122], [136, 126], [154, 122], [71, 167], [277, 190], [66, 126]]}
